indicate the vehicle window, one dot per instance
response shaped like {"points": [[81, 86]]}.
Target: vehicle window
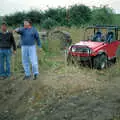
{"points": [[118, 35], [89, 34], [100, 35], [110, 36]]}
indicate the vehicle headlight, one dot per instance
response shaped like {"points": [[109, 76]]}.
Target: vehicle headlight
{"points": [[73, 49]]}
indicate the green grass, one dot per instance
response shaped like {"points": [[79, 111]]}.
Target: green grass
{"points": [[52, 56], [62, 80]]}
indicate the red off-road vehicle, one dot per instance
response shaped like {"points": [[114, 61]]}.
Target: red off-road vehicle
{"points": [[101, 44]]}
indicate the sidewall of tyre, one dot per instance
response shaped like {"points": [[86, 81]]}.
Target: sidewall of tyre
{"points": [[100, 62]]}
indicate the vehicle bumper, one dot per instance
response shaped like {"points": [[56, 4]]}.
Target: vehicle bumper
{"points": [[81, 58], [85, 58]]}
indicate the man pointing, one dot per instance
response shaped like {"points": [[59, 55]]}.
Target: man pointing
{"points": [[29, 36]]}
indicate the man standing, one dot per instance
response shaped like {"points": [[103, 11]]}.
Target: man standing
{"points": [[6, 42], [29, 36]]}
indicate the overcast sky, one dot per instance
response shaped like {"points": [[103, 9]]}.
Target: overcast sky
{"points": [[11, 6]]}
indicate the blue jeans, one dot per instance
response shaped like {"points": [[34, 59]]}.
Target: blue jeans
{"points": [[29, 55], [5, 60]]}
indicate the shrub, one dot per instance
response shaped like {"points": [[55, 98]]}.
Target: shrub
{"points": [[35, 16], [79, 14], [103, 15], [76, 15], [15, 19], [49, 23]]}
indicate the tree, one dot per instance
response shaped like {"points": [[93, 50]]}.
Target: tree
{"points": [[35, 16], [56, 14], [79, 14], [102, 15], [15, 19], [0, 19], [75, 15], [49, 23]]}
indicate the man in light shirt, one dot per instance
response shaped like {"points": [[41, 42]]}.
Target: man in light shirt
{"points": [[29, 36]]}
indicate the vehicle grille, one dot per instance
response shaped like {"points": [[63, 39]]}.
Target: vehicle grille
{"points": [[80, 49]]}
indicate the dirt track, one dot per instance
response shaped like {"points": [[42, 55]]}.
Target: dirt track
{"points": [[88, 105], [55, 96]]}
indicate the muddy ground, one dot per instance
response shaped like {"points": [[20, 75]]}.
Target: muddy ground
{"points": [[61, 94], [88, 105]]}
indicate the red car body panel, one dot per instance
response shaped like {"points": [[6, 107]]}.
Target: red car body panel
{"points": [[97, 47]]}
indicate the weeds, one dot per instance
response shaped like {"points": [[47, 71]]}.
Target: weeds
{"points": [[53, 58], [59, 80]]}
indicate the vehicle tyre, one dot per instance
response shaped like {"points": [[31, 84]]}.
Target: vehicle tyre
{"points": [[100, 62]]}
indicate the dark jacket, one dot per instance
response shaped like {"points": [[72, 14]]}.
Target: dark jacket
{"points": [[7, 41]]}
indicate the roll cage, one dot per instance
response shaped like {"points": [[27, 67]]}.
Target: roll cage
{"points": [[114, 28]]}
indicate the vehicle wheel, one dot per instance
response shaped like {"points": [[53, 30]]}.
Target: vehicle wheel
{"points": [[100, 62], [113, 60]]}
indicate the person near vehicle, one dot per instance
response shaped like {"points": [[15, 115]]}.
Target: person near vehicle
{"points": [[29, 36], [6, 43], [97, 36], [109, 36]]}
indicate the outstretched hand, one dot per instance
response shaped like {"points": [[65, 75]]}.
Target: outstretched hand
{"points": [[14, 52], [40, 49], [15, 30]]}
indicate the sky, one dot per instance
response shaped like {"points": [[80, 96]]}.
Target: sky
{"points": [[11, 6]]}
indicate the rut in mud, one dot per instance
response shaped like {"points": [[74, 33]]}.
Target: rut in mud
{"points": [[58, 96]]}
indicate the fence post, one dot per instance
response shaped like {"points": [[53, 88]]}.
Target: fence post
{"points": [[65, 53]]}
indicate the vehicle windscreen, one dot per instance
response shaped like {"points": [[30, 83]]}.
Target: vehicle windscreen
{"points": [[100, 35], [119, 35]]}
